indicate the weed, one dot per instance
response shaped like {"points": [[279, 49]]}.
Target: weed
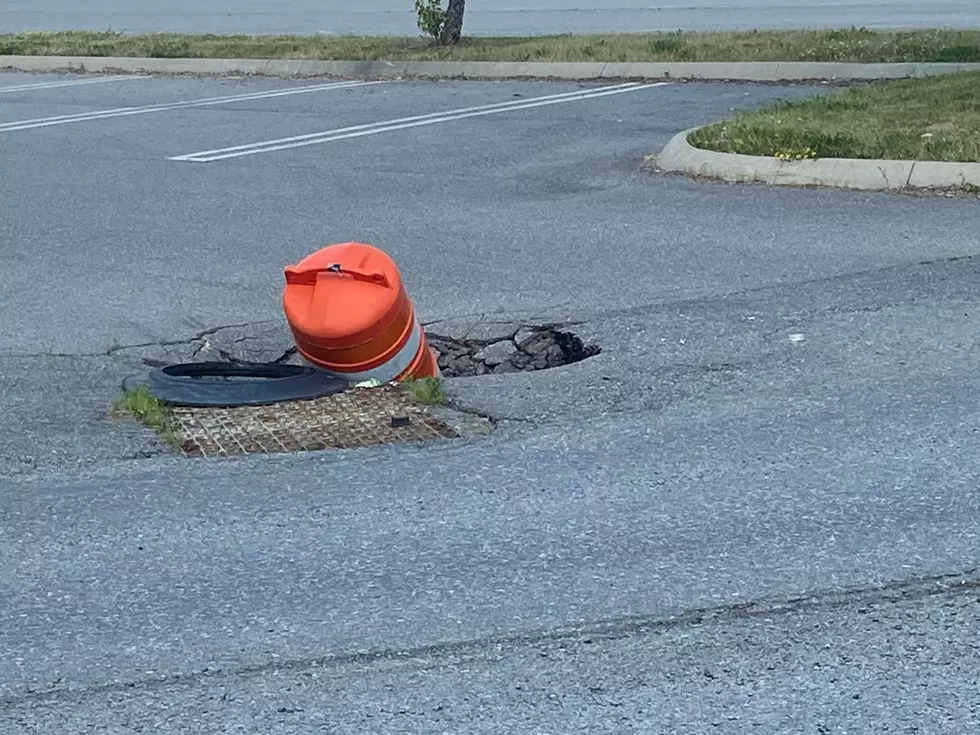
{"points": [[149, 410], [795, 154], [427, 391], [168, 46]]}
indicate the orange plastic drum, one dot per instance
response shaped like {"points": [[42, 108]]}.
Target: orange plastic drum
{"points": [[350, 315]]}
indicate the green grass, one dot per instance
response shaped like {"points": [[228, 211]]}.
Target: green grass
{"points": [[930, 119], [854, 44], [426, 391], [156, 415]]}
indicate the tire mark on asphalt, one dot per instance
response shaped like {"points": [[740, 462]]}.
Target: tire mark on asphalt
{"points": [[866, 598]]}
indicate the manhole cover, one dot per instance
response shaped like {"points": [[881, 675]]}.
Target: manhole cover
{"points": [[355, 418]]}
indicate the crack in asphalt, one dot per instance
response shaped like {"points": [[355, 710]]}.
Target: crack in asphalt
{"points": [[493, 318], [198, 337], [866, 599], [116, 349]]}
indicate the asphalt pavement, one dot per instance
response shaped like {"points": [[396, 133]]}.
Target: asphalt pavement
{"points": [[497, 17], [142, 248], [905, 663], [683, 534]]}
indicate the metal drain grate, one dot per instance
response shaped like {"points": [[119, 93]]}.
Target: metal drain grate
{"points": [[356, 418]]}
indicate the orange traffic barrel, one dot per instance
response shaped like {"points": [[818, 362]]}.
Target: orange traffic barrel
{"points": [[350, 316]]}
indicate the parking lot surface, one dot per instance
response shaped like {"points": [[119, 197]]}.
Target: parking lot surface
{"points": [[785, 407], [143, 247]]}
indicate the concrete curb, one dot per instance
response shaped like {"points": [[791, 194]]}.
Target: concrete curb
{"points": [[845, 173], [748, 71]]}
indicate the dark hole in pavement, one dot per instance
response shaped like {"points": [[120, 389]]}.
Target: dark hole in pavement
{"points": [[228, 378], [528, 348]]}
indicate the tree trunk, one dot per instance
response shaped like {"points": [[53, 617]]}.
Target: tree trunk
{"points": [[453, 27]]}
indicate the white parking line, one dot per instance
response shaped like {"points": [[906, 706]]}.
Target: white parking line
{"points": [[44, 122], [357, 131], [67, 83]]}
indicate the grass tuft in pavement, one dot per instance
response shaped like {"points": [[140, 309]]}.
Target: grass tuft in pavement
{"points": [[929, 119], [427, 391], [144, 407], [847, 45]]}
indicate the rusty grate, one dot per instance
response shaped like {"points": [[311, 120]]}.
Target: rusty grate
{"points": [[356, 418]]}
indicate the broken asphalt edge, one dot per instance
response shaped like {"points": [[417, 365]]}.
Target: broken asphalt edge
{"points": [[679, 156], [766, 71]]}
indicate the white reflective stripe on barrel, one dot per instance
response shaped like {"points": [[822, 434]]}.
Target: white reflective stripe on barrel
{"points": [[394, 367]]}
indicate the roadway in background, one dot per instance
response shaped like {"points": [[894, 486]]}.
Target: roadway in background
{"points": [[483, 17]]}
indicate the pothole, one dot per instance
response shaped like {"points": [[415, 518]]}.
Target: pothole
{"points": [[357, 417], [525, 349]]}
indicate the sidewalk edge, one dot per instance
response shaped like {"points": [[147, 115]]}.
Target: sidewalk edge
{"points": [[679, 156], [717, 71]]}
